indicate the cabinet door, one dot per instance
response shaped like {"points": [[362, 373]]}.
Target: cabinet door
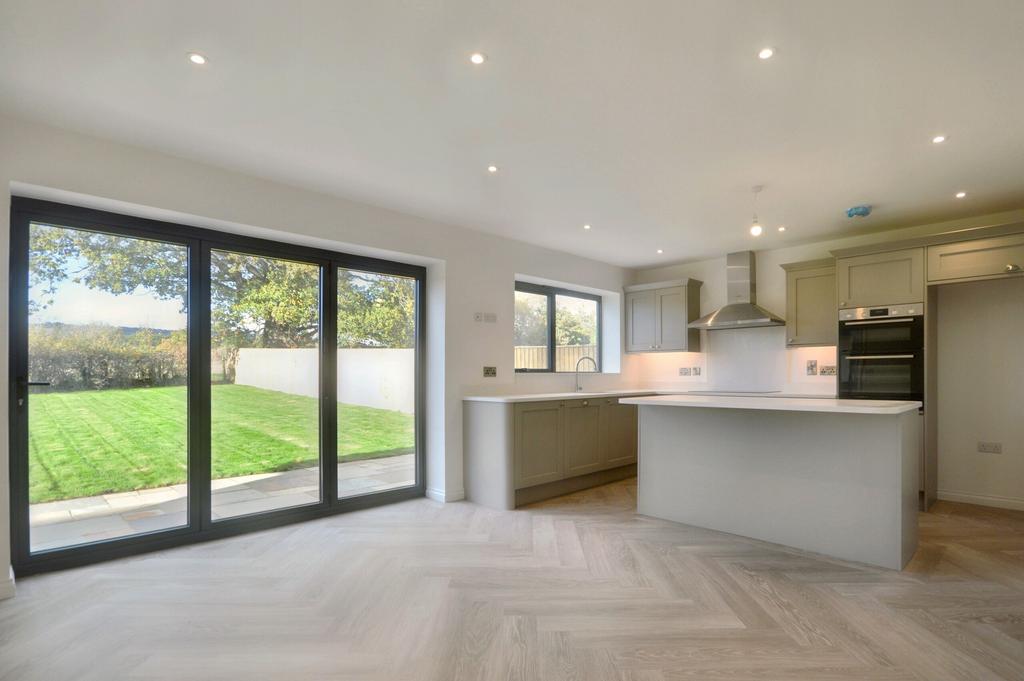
{"points": [[539, 443], [671, 316], [892, 278], [582, 437], [641, 321], [811, 313], [977, 258], [619, 434]]}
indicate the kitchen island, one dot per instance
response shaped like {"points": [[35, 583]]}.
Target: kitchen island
{"points": [[837, 477]]}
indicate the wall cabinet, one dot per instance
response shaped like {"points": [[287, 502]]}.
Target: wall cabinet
{"points": [[811, 314], [557, 440], [978, 258], [888, 278], [658, 317]]}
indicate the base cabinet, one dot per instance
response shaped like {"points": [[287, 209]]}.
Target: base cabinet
{"points": [[558, 440]]}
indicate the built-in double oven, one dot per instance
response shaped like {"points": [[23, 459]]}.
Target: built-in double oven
{"points": [[881, 353]]}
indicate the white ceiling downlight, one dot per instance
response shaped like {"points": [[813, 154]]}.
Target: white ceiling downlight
{"points": [[196, 58], [478, 58], [492, 169], [586, 226], [938, 139], [961, 195], [766, 53], [660, 251], [782, 228]]}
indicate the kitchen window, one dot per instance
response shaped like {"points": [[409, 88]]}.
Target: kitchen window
{"points": [[555, 329]]}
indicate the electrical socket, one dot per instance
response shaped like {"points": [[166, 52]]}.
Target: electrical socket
{"points": [[490, 372], [812, 367], [684, 371], [827, 370], [990, 447], [696, 371], [478, 316]]}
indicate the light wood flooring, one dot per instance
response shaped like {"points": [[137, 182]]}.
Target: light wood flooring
{"points": [[575, 588]]}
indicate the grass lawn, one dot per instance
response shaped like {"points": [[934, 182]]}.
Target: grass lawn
{"points": [[95, 442]]}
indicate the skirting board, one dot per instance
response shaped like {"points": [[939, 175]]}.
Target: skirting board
{"points": [[7, 585], [445, 497], [1012, 503]]}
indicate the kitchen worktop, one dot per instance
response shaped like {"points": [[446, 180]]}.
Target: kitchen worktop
{"points": [[544, 397], [777, 403]]}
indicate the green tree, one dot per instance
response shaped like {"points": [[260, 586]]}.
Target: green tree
{"points": [[255, 301]]}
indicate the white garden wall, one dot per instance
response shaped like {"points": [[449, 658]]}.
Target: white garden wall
{"points": [[381, 378]]}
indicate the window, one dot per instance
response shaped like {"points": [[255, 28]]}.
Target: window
{"points": [[555, 329], [176, 384]]}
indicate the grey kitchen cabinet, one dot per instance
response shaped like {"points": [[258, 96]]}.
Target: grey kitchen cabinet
{"points": [[539, 443], [641, 321], [978, 258], [582, 436], [811, 314], [618, 433], [658, 316], [887, 278]]}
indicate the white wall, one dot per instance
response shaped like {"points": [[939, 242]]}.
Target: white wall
{"points": [[383, 378], [980, 392], [468, 271], [731, 356]]}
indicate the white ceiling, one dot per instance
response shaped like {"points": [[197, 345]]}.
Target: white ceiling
{"points": [[651, 120]]}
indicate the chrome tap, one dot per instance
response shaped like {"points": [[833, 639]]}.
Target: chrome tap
{"points": [[579, 388]]}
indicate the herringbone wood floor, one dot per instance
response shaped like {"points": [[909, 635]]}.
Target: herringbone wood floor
{"points": [[577, 588]]}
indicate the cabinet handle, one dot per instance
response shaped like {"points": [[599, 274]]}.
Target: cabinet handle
{"points": [[1012, 268], [586, 403], [791, 340]]}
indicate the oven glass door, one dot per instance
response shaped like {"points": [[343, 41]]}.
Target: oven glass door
{"points": [[897, 376], [869, 336]]}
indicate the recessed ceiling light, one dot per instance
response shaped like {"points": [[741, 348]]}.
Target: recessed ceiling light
{"points": [[492, 169], [766, 53], [196, 58], [586, 226], [961, 195], [782, 228], [478, 58], [660, 251], [938, 139]]}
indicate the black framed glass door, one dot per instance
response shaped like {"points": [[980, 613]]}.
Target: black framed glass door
{"points": [[171, 384]]}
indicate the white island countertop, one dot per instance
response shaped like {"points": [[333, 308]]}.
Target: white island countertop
{"points": [[826, 405]]}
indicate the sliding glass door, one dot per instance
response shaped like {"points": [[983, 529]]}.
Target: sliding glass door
{"points": [[265, 383], [171, 384], [376, 382], [106, 387]]}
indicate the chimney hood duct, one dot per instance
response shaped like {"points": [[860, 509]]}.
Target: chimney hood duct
{"points": [[742, 310]]}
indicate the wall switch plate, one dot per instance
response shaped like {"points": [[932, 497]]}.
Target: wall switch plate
{"points": [[696, 371], [990, 447], [490, 372], [828, 370], [684, 371], [812, 367]]}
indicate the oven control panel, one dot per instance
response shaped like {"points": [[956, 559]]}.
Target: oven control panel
{"points": [[881, 312]]}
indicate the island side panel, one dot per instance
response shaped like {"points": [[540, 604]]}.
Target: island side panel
{"points": [[488, 441], [823, 482], [912, 433]]}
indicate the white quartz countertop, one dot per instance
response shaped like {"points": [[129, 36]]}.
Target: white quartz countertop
{"points": [[544, 397], [777, 403]]}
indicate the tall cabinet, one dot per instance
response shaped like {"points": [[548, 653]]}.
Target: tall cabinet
{"points": [[658, 316]]}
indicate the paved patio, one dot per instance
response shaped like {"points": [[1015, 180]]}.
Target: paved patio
{"points": [[107, 516]]}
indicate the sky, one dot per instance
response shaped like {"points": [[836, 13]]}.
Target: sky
{"points": [[78, 304]]}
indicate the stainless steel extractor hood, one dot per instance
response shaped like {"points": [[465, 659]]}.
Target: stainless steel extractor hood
{"points": [[742, 310]]}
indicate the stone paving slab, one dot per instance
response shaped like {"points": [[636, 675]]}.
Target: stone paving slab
{"points": [[77, 521]]}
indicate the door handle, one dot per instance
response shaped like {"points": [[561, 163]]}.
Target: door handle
{"points": [[1012, 268], [23, 386], [879, 357], [879, 321]]}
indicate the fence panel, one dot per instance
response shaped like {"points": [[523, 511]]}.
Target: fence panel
{"points": [[566, 356]]}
